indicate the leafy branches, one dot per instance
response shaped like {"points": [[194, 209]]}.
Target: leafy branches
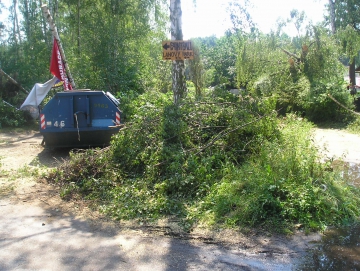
{"points": [[224, 160], [294, 72]]}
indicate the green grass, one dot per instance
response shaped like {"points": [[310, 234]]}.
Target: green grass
{"points": [[354, 126]]}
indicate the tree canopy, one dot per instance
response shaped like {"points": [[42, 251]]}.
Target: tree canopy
{"points": [[116, 46]]}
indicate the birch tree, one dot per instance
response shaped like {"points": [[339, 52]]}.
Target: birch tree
{"points": [[332, 16], [178, 66]]}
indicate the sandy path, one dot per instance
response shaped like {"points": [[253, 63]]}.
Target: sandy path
{"points": [[335, 143]]}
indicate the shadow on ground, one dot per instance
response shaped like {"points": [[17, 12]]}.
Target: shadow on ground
{"points": [[52, 157], [37, 235]]}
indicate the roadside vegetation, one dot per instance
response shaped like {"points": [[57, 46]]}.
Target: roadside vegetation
{"points": [[12, 117], [235, 151], [226, 161]]}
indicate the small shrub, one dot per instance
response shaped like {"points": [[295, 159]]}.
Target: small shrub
{"points": [[319, 107], [11, 117]]}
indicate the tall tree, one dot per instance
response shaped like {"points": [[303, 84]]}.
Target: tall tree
{"points": [[332, 16], [110, 45], [16, 28], [345, 18], [178, 66]]}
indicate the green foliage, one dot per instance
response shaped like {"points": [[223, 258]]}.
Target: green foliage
{"points": [[284, 183], [26, 53], [297, 18], [108, 45], [258, 58], [301, 81], [196, 68], [354, 126], [11, 117], [349, 37], [218, 56], [91, 177], [218, 158], [222, 160], [346, 13], [171, 155], [169, 138], [319, 107], [117, 46]]}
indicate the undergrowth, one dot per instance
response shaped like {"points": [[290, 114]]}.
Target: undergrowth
{"points": [[354, 126], [282, 185], [219, 161]]}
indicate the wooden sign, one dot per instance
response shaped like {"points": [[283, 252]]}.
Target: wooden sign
{"points": [[177, 50]]}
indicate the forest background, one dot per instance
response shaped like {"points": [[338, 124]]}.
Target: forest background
{"points": [[216, 157]]}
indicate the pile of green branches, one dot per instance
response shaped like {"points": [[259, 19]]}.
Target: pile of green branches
{"points": [[223, 160]]}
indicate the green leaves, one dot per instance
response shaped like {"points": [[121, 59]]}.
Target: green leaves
{"points": [[266, 173], [283, 184], [11, 117], [297, 73], [168, 156]]}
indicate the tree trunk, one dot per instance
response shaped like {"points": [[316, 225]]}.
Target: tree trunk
{"points": [[78, 26], [27, 20], [178, 66], [16, 22], [352, 72], [55, 34], [16, 31], [44, 29], [352, 67], [332, 16]]}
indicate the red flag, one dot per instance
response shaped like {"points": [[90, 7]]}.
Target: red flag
{"points": [[57, 66]]}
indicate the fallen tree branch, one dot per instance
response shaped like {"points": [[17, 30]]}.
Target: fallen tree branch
{"points": [[225, 132], [343, 106], [290, 54]]}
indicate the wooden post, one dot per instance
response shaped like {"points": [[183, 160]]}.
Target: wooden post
{"points": [[55, 34]]}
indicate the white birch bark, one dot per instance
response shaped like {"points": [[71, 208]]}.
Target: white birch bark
{"points": [[178, 66], [332, 16], [55, 33], [17, 35]]}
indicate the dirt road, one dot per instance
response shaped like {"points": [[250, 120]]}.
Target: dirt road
{"points": [[39, 231], [338, 144], [34, 237]]}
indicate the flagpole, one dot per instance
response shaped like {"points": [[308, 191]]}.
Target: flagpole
{"points": [[55, 34]]}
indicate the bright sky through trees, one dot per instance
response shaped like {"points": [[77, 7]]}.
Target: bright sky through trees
{"points": [[210, 17]]}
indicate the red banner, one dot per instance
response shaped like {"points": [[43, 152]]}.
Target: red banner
{"points": [[57, 67]]}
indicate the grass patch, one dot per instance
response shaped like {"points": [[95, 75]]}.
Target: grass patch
{"points": [[220, 162], [354, 126], [6, 188]]}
